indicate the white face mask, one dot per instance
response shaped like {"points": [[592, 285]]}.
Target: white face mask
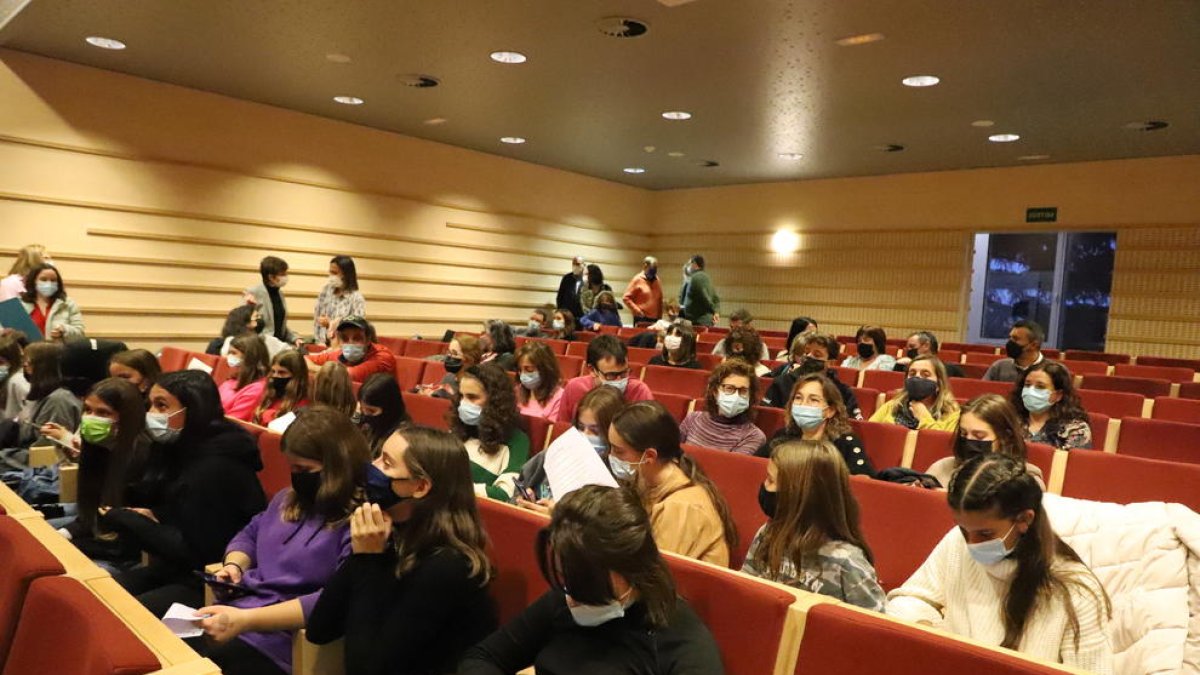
{"points": [[158, 426], [234, 360], [334, 280], [672, 342], [282, 281], [590, 616], [559, 324]]}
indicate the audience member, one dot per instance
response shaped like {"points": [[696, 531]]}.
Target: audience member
{"points": [[687, 512], [603, 312], [744, 344], [28, 257], [85, 362], [49, 402], [678, 349], [926, 402], [818, 413], [268, 298], [593, 288], [45, 298], [812, 353], [740, 318], [1003, 577], [381, 410], [812, 540], [562, 327], [499, 344], [698, 300], [800, 325], [484, 417], [287, 554], [331, 387], [540, 323], [612, 607], [1049, 407], [240, 320], [286, 390], [339, 299], [606, 359], [139, 367], [570, 289], [726, 422], [249, 366], [988, 424], [923, 343], [670, 316], [359, 351], [644, 295], [872, 351], [413, 597], [539, 387], [199, 489], [463, 352], [1023, 349], [13, 385]]}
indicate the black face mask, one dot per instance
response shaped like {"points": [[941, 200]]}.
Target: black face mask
{"points": [[1013, 350], [379, 489], [973, 447], [259, 325], [808, 365], [306, 486], [279, 384], [911, 353], [767, 501], [866, 350], [919, 388], [608, 308], [651, 274], [452, 365]]}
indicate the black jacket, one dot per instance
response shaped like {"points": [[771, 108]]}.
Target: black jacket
{"points": [[568, 297], [779, 395]]}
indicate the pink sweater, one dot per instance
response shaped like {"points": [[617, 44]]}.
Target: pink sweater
{"points": [[240, 403]]}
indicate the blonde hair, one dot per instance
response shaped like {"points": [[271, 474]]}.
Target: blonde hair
{"points": [[28, 258]]}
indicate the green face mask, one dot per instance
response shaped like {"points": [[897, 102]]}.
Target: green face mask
{"points": [[95, 429]]}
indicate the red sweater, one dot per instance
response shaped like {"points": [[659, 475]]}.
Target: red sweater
{"points": [[379, 359]]}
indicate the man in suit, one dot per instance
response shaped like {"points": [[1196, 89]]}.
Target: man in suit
{"points": [[569, 287]]}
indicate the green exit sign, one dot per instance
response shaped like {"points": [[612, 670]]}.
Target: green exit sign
{"points": [[1041, 214]]}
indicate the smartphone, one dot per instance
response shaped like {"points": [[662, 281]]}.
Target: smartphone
{"points": [[523, 490], [227, 589]]}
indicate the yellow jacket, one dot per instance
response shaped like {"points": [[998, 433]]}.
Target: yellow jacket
{"points": [[887, 414]]}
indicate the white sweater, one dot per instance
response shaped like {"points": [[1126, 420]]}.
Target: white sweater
{"points": [[953, 592]]}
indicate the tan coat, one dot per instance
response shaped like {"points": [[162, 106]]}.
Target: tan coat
{"points": [[684, 520]]}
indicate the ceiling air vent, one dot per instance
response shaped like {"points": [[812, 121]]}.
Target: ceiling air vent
{"points": [[890, 147], [419, 81], [1148, 125], [706, 163], [622, 27]]}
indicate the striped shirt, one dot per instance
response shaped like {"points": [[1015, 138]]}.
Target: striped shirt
{"points": [[713, 431]]}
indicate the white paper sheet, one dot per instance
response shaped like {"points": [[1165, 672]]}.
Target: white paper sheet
{"points": [[197, 364], [182, 621], [572, 462]]}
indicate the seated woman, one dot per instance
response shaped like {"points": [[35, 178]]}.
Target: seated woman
{"points": [[612, 607], [287, 388], [678, 349], [48, 405], [744, 343], [872, 350], [812, 353], [539, 390], [1003, 577], [817, 413], [1050, 409], [593, 417], [139, 367], [727, 421], [687, 512], [287, 553], [499, 344], [240, 320], [13, 385], [484, 417], [926, 401], [413, 597], [381, 410], [988, 423], [604, 313], [331, 387], [463, 352], [800, 325], [243, 390], [562, 326], [200, 488], [812, 540]]}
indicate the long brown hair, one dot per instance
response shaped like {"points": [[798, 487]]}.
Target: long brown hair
{"points": [[254, 358], [815, 507], [605, 403], [999, 414], [326, 435], [333, 387], [595, 531], [542, 358], [45, 365], [647, 424], [1068, 408], [500, 416], [748, 338], [447, 516], [105, 472], [297, 387], [835, 426], [999, 484]]}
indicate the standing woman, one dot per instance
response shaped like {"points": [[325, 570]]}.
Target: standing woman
{"points": [[241, 393], [484, 417], [268, 297], [413, 597], [592, 288], [926, 401], [539, 390], [1049, 408], [45, 298], [286, 390], [339, 299], [687, 512], [28, 257], [1003, 577], [13, 385], [138, 367], [381, 410]]}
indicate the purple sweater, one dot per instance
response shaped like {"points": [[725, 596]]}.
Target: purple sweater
{"points": [[288, 561]]}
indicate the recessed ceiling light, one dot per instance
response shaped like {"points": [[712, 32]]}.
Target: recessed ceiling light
{"points": [[855, 40], [348, 100], [512, 140], [634, 169], [675, 153], [435, 121], [982, 123], [920, 80], [509, 57], [1032, 158], [105, 43], [337, 58], [785, 241], [649, 148], [677, 115], [790, 155], [1003, 138]]}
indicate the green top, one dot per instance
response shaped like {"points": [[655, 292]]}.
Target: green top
{"points": [[702, 298], [499, 484]]}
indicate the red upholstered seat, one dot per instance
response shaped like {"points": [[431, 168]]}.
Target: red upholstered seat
{"points": [[868, 400], [1193, 364], [769, 420], [394, 344], [709, 361], [569, 366], [1112, 403], [974, 371], [585, 336], [1110, 359], [537, 429], [608, 330], [22, 559], [675, 404], [968, 348], [1041, 456], [641, 354], [1155, 372], [883, 380], [1086, 367], [839, 639], [629, 331], [578, 348], [738, 477], [512, 536], [276, 474], [1098, 423], [950, 355], [420, 349], [556, 429], [408, 372], [983, 358], [902, 525], [1051, 353], [1107, 477], [171, 359], [427, 410], [848, 376], [932, 445], [1159, 439], [689, 383], [556, 346], [968, 388], [66, 630], [1134, 385], [433, 373], [1189, 390], [1176, 410], [883, 442]]}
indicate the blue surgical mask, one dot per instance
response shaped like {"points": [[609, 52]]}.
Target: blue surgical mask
{"points": [[531, 380], [732, 405], [619, 385], [3, 372], [157, 426], [598, 444], [353, 353], [233, 361], [991, 552], [590, 616], [47, 289], [469, 413], [1036, 400], [808, 416], [621, 469]]}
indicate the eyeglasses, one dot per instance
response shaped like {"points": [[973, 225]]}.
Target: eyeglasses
{"points": [[729, 390], [613, 376]]}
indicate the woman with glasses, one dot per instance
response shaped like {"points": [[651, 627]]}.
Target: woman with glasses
{"points": [[727, 420]]}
